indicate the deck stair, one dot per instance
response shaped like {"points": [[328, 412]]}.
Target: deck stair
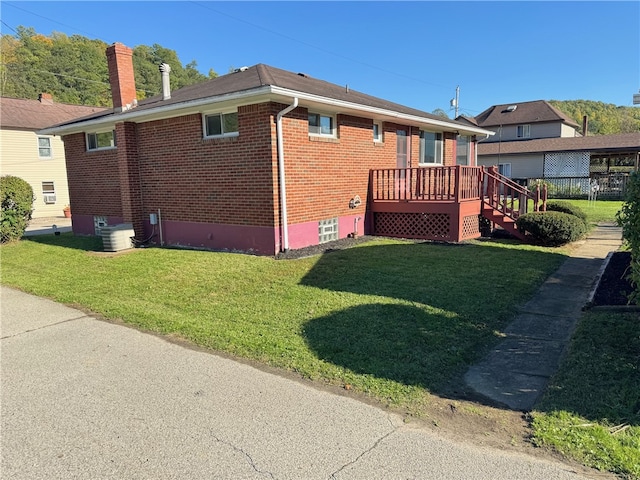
{"points": [[504, 200]]}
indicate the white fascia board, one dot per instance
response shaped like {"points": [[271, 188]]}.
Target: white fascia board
{"points": [[264, 93], [159, 113], [382, 113]]}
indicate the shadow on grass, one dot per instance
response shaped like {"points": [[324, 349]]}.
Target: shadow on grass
{"points": [[69, 240], [449, 305], [408, 344]]}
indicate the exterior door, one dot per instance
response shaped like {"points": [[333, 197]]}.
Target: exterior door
{"points": [[402, 160]]}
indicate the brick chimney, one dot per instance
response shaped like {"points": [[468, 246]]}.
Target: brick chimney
{"points": [[121, 78], [45, 99]]}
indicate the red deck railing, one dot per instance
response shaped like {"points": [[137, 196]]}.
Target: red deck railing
{"points": [[453, 184], [509, 197]]}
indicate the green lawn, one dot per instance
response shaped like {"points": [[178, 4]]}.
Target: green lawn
{"points": [[396, 320], [591, 411], [600, 210]]}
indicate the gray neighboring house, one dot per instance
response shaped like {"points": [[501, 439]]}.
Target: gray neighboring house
{"points": [[534, 140]]}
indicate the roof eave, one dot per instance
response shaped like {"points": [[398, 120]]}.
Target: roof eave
{"points": [[269, 92], [383, 113]]}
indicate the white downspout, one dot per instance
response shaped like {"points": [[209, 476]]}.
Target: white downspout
{"points": [[283, 190]]}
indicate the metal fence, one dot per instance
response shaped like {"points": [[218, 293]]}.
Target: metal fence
{"points": [[612, 186]]}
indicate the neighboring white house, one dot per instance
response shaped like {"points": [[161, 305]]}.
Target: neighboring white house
{"points": [[38, 159], [536, 140]]}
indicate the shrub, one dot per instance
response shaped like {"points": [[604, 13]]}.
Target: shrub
{"points": [[629, 219], [567, 207], [17, 205], [552, 228]]}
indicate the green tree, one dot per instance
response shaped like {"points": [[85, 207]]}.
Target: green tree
{"points": [[74, 69], [16, 196]]}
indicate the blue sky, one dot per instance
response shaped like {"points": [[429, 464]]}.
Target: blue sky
{"points": [[413, 53]]}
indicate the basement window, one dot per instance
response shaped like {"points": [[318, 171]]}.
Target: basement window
{"points": [[327, 230], [219, 125], [101, 140]]}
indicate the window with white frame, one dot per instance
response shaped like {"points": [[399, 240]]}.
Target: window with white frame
{"points": [[101, 140], [430, 148], [523, 131], [463, 150], [223, 124], [48, 192], [322, 124], [377, 132], [44, 147], [504, 169]]}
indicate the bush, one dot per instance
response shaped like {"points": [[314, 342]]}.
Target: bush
{"points": [[567, 207], [552, 228], [629, 219], [17, 206]]}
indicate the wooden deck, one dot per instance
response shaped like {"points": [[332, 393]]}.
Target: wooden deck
{"points": [[444, 203]]}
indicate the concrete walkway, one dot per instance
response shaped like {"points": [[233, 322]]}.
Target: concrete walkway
{"points": [[87, 399], [517, 371], [47, 226]]}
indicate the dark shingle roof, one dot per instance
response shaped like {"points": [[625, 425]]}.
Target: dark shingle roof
{"points": [[257, 76], [34, 115], [610, 143], [525, 112]]}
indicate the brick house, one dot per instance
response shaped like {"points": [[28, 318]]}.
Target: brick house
{"points": [[259, 160]]}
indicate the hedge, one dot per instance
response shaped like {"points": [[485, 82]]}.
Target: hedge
{"points": [[17, 206], [552, 228]]}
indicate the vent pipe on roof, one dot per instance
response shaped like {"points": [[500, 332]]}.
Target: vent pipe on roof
{"points": [[166, 87]]}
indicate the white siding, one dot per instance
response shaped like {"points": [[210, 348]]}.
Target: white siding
{"points": [[537, 130], [568, 131], [528, 165], [20, 157]]}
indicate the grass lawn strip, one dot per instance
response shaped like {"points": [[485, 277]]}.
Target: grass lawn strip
{"points": [[591, 411], [395, 320]]}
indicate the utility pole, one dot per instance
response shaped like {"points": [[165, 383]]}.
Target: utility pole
{"points": [[456, 101]]}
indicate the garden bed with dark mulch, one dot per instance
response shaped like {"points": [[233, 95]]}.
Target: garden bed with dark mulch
{"points": [[614, 287]]}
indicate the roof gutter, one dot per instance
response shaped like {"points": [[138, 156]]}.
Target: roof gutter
{"points": [[166, 111], [281, 177], [157, 113], [382, 112]]}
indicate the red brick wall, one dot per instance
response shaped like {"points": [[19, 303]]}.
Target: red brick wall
{"points": [[192, 179], [323, 174], [233, 181], [94, 184]]}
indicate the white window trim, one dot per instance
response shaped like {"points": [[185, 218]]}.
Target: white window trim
{"points": [[218, 112], [525, 127], [432, 164], [380, 138], [50, 147], [334, 122], [96, 132], [504, 165]]}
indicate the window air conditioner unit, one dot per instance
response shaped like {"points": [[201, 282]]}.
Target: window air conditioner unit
{"points": [[49, 198]]}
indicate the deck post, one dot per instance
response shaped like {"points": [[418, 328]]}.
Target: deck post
{"points": [[458, 183]]}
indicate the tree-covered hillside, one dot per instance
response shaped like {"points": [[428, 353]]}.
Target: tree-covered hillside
{"points": [[603, 118], [74, 69]]}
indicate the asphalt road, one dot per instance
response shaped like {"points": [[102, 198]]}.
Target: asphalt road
{"points": [[87, 399]]}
